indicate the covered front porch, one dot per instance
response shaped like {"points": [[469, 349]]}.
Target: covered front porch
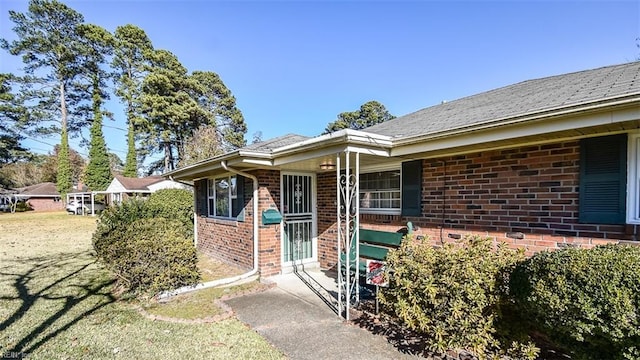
{"points": [[307, 203]]}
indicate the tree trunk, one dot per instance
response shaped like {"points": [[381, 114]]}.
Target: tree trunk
{"points": [[167, 156], [64, 181], [63, 108]]}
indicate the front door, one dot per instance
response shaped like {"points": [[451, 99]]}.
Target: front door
{"points": [[298, 210]]}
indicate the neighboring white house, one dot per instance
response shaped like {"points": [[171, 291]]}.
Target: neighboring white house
{"points": [[122, 187]]}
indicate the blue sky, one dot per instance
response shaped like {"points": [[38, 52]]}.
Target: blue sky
{"points": [[294, 65]]}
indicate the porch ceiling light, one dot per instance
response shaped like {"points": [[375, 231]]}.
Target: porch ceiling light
{"points": [[327, 165]]}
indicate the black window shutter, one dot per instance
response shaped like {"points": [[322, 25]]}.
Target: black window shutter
{"points": [[603, 179], [238, 203], [201, 197], [412, 188]]}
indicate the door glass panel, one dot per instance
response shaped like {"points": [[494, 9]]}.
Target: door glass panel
{"points": [[298, 217]]}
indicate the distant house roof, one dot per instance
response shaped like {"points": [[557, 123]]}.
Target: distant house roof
{"points": [[521, 99], [47, 189], [138, 184], [268, 146]]}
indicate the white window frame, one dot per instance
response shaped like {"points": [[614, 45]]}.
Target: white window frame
{"points": [[633, 178], [382, 211], [212, 196]]}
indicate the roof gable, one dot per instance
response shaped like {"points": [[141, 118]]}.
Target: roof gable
{"points": [[137, 184]]}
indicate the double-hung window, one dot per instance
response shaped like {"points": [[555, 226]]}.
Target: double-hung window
{"points": [[395, 191], [380, 192], [222, 197]]}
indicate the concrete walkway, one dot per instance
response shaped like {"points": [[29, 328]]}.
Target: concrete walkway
{"points": [[298, 317]]}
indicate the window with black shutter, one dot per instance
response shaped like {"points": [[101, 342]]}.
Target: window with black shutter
{"points": [[603, 174], [412, 188], [237, 204], [201, 197], [222, 197]]}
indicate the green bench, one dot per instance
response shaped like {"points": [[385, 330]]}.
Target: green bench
{"points": [[374, 245]]}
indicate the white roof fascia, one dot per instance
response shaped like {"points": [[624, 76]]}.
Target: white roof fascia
{"points": [[256, 154], [257, 162], [368, 151]]}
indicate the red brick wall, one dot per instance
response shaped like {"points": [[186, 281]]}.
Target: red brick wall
{"points": [[270, 243], [232, 241], [229, 241], [45, 204], [531, 191], [327, 229]]}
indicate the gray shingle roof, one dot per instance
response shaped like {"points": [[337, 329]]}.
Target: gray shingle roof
{"points": [[267, 146], [523, 98]]}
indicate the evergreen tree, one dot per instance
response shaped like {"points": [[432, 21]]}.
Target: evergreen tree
{"points": [[51, 49], [64, 181], [216, 99], [131, 163], [98, 171], [130, 61], [12, 115], [99, 45], [171, 112], [370, 113]]}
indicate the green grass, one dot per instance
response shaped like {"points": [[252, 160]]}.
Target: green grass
{"points": [[56, 303]]}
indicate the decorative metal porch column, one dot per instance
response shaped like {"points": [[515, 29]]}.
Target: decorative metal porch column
{"points": [[348, 209]]}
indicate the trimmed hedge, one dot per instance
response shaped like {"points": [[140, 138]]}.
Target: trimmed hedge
{"points": [[586, 300], [148, 243], [150, 255], [453, 295], [174, 204]]}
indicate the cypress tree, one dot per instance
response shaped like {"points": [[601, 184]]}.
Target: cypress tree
{"points": [[131, 163], [64, 182], [98, 172]]}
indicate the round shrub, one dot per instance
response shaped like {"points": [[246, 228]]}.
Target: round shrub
{"points": [[147, 253], [151, 255], [452, 295], [586, 300], [112, 222], [173, 204]]}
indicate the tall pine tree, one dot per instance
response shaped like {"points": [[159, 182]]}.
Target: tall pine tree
{"points": [[131, 56], [98, 45], [171, 112], [50, 46], [220, 105]]}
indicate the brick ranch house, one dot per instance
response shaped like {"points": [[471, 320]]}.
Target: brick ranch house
{"points": [[542, 164], [41, 197]]}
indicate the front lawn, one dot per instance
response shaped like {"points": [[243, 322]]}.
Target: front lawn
{"points": [[55, 302]]}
